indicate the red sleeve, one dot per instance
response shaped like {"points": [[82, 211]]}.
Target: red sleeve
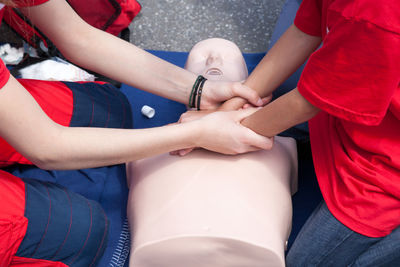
{"points": [[25, 3], [355, 74], [4, 74], [308, 17], [1, 14]]}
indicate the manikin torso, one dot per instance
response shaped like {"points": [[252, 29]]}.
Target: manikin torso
{"points": [[207, 209]]}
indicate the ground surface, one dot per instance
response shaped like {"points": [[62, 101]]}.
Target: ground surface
{"points": [[175, 25]]}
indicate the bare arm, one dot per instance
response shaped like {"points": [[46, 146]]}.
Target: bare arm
{"points": [[104, 53], [291, 50], [284, 58], [283, 113], [50, 146]]}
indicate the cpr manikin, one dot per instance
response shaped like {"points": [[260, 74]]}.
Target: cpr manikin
{"points": [[211, 210]]}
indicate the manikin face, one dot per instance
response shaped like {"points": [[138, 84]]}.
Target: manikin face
{"points": [[217, 59]]}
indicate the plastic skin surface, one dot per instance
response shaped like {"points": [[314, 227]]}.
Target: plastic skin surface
{"points": [[207, 209]]}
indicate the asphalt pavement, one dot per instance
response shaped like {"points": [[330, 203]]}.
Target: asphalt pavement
{"points": [[176, 25]]}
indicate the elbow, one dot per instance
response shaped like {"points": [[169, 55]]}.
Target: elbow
{"points": [[46, 153], [72, 50], [75, 46], [45, 160]]}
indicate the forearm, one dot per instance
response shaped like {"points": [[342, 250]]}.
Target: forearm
{"points": [[78, 148], [282, 60], [52, 146], [26, 127], [128, 64], [106, 54], [281, 114], [32, 133]]}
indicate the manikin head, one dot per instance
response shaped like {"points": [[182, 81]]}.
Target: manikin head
{"points": [[217, 59]]}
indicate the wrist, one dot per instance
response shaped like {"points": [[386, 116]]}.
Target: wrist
{"points": [[191, 133], [196, 92]]}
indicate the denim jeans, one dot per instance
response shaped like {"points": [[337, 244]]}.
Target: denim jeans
{"points": [[324, 241]]}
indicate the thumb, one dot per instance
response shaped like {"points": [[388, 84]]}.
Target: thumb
{"points": [[258, 141], [266, 99], [247, 93]]}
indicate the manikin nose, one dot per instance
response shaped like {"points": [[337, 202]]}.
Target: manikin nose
{"points": [[213, 58]]}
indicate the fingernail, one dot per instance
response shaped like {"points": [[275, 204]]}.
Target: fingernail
{"points": [[259, 102]]}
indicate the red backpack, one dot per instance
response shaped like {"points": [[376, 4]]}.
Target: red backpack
{"points": [[113, 16]]}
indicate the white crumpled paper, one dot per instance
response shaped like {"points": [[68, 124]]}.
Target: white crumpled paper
{"points": [[53, 69], [56, 69], [11, 55]]}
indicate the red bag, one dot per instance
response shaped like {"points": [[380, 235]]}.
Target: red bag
{"points": [[113, 16], [108, 15]]}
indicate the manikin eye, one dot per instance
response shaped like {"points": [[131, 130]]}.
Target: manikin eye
{"points": [[214, 71]]}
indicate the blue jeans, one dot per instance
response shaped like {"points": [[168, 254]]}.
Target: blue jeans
{"points": [[324, 241]]}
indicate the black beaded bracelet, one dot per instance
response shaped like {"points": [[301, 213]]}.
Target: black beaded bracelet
{"points": [[199, 93], [193, 94]]}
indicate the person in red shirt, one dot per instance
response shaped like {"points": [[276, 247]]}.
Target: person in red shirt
{"points": [[349, 91], [43, 224]]}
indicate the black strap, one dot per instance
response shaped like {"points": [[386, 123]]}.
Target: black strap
{"points": [[125, 34]]}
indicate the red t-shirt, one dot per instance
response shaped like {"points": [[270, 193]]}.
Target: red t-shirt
{"points": [[55, 99], [4, 73], [354, 79]]}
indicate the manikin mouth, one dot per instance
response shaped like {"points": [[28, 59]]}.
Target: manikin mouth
{"points": [[214, 71]]}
